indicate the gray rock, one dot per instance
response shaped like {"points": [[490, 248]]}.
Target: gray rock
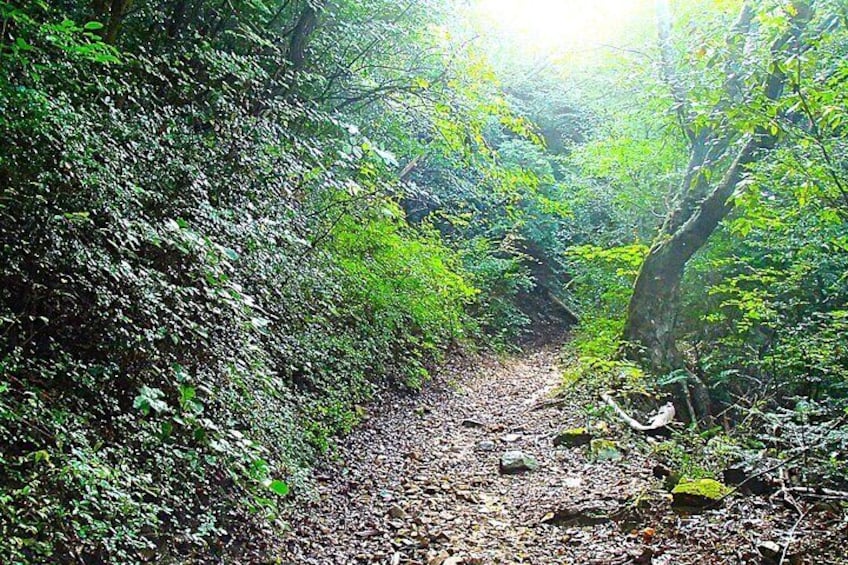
{"points": [[469, 423], [514, 462], [397, 513], [770, 550], [486, 445]]}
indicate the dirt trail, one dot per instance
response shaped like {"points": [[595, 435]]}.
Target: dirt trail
{"points": [[418, 483]]}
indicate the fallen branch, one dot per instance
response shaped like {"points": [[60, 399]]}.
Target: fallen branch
{"points": [[569, 313], [409, 167], [791, 537], [816, 492], [663, 417]]}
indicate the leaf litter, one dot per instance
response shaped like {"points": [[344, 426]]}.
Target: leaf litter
{"points": [[419, 482]]}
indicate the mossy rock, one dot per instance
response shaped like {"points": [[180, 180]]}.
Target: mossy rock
{"points": [[574, 437], [515, 462], [604, 450], [698, 493]]}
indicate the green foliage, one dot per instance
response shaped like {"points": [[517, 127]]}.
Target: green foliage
{"points": [[224, 230], [210, 261], [692, 455], [603, 285], [501, 277], [406, 282], [762, 319]]}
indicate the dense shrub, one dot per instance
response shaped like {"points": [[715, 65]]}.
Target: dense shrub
{"points": [[175, 348]]}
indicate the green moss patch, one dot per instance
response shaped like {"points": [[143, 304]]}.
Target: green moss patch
{"points": [[605, 450], [698, 493]]}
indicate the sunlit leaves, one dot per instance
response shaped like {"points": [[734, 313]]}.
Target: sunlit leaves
{"points": [[279, 487], [150, 400]]}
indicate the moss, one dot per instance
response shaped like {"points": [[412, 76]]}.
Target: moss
{"points": [[572, 437], [708, 488], [695, 494], [604, 450]]}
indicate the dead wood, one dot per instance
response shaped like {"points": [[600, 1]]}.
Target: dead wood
{"points": [[663, 417]]}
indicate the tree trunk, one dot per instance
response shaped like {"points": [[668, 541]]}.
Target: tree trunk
{"points": [[306, 24], [652, 310], [117, 10], [649, 329]]}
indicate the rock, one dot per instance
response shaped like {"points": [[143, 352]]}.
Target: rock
{"points": [[691, 494], [566, 517], [660, 471], [514, 462], [573, 437], [770, 550], [486, 445], [747, 483], [474, 424], [511, 438], [396, 512], [604, 450]]}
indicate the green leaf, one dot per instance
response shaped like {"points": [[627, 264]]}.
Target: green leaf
{"points": [[149, 399], [22, 45], [279, 487], [93, 26], [187, 393]]}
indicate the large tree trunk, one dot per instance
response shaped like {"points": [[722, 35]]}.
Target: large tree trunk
{"points": [[651, 316], [652, 311]]}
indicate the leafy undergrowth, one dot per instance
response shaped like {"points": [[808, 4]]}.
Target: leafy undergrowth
{"points": [[803, 441], [735, 493], [181, 338], [775, 459], [783, 420]]}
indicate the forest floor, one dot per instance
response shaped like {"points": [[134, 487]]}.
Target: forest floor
{"points": [[419, 482]]}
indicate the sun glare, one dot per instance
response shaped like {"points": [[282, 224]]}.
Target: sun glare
{"points": [[560, 24]]}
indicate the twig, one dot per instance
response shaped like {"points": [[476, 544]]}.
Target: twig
{"points": [[791, 536], [833, 425], [819, 492]]}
